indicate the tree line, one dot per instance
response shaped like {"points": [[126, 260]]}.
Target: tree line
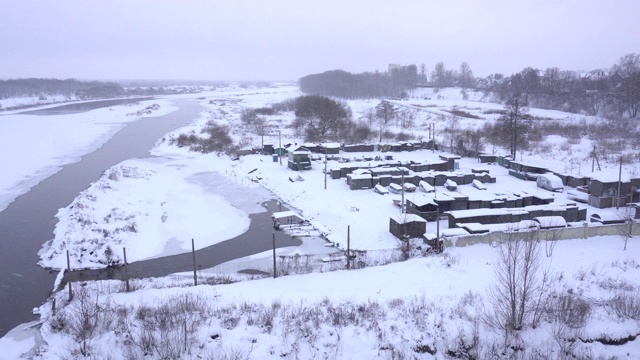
{"points": [[608, 92], [72, 88], [614, 92], [345, 85]]}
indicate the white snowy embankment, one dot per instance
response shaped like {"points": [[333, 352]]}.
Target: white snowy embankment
{"points": [[151, 207], [34, 147], [424, 301]]}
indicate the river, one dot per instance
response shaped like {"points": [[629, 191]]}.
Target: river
{"points": [[29, 221]]}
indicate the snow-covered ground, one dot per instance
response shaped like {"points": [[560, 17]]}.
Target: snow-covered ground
{"points": [[153, 206], [34, 147], [397, 310]]}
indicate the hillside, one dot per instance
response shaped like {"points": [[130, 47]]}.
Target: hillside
{"points": [[430, 306]]}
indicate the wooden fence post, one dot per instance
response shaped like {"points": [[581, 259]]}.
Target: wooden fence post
{"points": [[126, 270], [274, 255], [193, 252], [69, 269], [348, 247]]}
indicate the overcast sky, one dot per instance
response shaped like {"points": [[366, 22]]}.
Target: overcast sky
{"points": [[287, 39]]}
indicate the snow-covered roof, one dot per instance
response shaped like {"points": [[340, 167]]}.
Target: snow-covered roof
{"points": [[475, 227], [609, 176], [608, 216], [445, 156], [421, 200], [331, 145], [426, 186], [361, 171], [455, 195], [550, 221], [459, 214], [430, 236], [284, 214], [359, 176], [516, 226], [298, 149], [450, 182], [453, 232], [406, 218], [553, 179]]}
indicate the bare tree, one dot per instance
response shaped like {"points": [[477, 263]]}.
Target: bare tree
{"points": [[514, 126], [439, 76], [406, 118], [551, 79], [452, 128], [370, 116], [254, 123], [470, 142], [85, 314], [515, 295], [322, 118], [465, 79], [385, 112], [626, 231], [550, 238], [628, 93]]}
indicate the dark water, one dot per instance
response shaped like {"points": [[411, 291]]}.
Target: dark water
{"points": [[257, 239], [28, 222], [83, 107]]}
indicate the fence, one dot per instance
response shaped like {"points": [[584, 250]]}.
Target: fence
{"points": [[306, 263], [583, 232]]}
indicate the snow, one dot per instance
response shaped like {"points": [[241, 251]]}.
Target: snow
{"points": [[283, 214], [550, 221], [605, 215], [595, 265], [50, 142], [407, 218], [178, 194], [152, 208]]}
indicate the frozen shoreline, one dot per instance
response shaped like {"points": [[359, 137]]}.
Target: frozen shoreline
{"points": [[54, 147]]}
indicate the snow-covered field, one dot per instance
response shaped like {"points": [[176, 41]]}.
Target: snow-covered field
{"points": [[401, 310]]}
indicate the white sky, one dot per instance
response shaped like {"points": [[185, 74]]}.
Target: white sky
{"points": [[287, 39]]}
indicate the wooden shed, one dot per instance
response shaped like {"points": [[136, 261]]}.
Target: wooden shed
{"points": [[299, 158], [360, 181], [286, 218], [423, 206], [405, 226]]}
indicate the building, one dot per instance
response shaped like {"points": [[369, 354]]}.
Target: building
{"points": [[299, 158]]}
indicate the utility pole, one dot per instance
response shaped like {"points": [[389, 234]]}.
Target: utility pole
{"points": [[325, 168], [126, 272], [594, 157], [348, 247], [68, 270], [619, 184], [438, 244], [193, 252], [433, 137], [402, 205], [280, 146], [274, 255]]}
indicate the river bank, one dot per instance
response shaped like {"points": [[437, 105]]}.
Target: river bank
{"points": [[28, 221]]}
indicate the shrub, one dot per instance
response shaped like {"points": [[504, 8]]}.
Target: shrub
{"points": [[569, 309], [626, 305]]}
